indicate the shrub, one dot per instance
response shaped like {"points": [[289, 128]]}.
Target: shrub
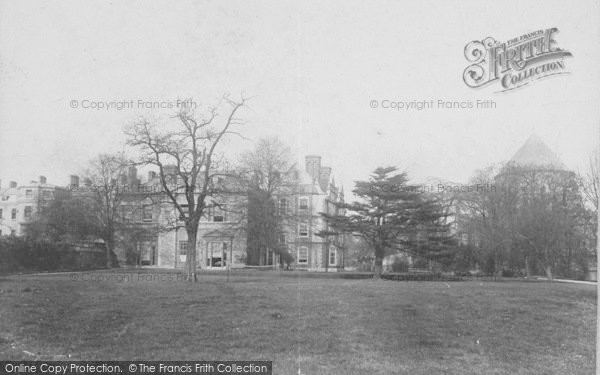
{"points": [[400, 265], [20, 254]]}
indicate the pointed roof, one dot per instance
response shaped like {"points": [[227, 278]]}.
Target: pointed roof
{"points": [[308, 184], [535, 152]]}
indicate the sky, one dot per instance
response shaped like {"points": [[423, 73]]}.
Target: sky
{"points": [[312, 70]]}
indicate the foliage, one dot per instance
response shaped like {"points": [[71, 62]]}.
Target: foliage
{"points": [[400, 265], [398, 219], [268, 174], [23, 254], [533, 220]]}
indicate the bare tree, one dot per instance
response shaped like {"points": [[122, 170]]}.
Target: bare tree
{"points": [[532, 218], [486, 213], [101, 187], [590, 181], [268, 173], [187, 160]]}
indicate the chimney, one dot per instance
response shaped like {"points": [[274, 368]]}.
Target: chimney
{"points": [[151, 176], [132, 175], [74, 181], [324, 175], [13, 184], [313, 166], [42, 179]]}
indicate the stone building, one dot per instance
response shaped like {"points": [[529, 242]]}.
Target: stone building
{"points": [[152, 234], [316, 193], [19, 204]]}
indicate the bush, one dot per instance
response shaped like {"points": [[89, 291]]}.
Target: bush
{"points": [[19, 254], [400, 265], [508, 273]]}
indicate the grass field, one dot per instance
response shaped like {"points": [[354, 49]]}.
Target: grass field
{"points": [[320, 326]]}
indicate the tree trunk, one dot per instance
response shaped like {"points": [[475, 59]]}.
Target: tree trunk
{"points": [[548, 270], [190, 259], [109, 244], [108, 260], [527, 268], [378, 265], [378, 268]]}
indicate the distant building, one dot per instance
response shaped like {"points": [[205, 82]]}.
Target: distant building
{"points": [[162, 240], [317, 193], [152, 233], [535, 172], [20, 204]]}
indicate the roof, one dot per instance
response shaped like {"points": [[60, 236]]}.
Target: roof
{"points": [[535, 152], [308, 185]]}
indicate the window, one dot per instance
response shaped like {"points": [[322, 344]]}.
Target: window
{"points": [[282, 238], [465, 238], [47, 194], [217, 254], [27, 211], [13, 232], [183, 247], [147, 213], [282, 209], [332, 257], [218, 214], [303, 203], [0, 213], [303, 230], [28, 193], [303, 255], [13, 214]]}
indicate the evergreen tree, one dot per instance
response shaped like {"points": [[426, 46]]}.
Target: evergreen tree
{"points": [[392, 215]]}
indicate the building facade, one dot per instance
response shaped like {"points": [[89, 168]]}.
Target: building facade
{"points": [[317, 193], [152, 233], [19, 204]]}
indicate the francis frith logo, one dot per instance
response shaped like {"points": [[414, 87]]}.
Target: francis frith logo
{"points": [[514, 63]]}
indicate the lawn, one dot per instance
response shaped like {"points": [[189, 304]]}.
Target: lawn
{"points": [[317, 326]]}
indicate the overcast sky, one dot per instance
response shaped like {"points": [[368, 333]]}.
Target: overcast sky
{"points": [[312, 69]]}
